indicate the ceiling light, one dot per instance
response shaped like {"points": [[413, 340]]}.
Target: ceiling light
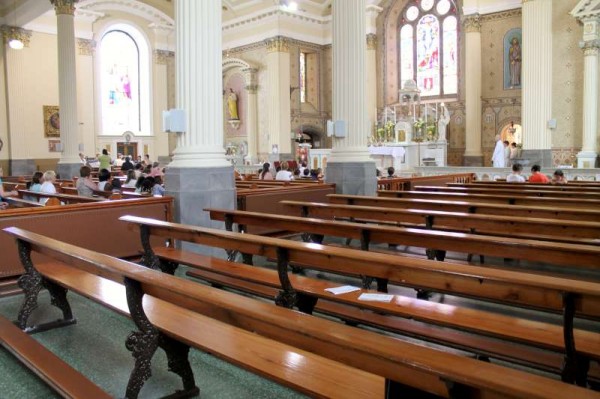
{"points": [[292, 6], [16, 44]]}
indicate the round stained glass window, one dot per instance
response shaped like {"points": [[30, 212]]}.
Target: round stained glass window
{"points": [[426, 5], [443, 7], [412, 13]]}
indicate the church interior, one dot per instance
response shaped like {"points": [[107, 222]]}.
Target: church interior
{"points": [[396, 258]]}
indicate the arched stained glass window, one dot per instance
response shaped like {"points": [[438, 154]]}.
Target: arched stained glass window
{"points": [[124, 81], [428, 33]]}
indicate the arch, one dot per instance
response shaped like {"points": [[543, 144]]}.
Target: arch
{"points": [[133, 7]]}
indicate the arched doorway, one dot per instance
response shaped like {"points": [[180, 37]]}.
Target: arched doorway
{"points": [[512, 132]]}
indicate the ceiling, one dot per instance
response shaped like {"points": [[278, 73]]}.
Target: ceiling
{"points": [[7, 6]]}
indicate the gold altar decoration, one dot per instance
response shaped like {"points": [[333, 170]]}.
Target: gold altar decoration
{"points": [[51, 121]]}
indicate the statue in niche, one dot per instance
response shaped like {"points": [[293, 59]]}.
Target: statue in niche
{"points": [[232, 105], [514, 59], [443, 123]]}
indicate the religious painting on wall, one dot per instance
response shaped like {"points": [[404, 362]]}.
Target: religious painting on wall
{"points": [[51, 121], [512, 59]]}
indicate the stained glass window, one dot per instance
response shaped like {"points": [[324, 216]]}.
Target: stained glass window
{"points": [[302, 77], [429, 47]]}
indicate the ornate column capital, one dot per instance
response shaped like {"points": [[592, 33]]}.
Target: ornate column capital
{"points": [[86, 46], [590, 47], [277, 44], [161, 57], [472, 23], [371, 41], [64, 7], [252, 89], [14, 32]]}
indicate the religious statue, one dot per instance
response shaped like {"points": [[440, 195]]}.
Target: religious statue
{"points": [[514, 58], [232, 105], [443, 121]]}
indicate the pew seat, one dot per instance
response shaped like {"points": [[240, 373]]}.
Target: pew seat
{"points": [[59, 375]]}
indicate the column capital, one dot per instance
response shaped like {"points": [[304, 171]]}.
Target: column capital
{"points": [[86, 46], [590, 47], [277, 44], [472, 23], [14, 32], [161, 57], [371, 41], [252, 89], [64, 7]]}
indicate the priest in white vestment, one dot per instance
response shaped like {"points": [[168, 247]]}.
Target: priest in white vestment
{"points": [[498, 156]]}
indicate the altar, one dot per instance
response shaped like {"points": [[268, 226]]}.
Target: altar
{"points": [[408, 156]]}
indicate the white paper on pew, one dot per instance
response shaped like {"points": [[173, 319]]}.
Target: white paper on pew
{"points": [[344, 289], [376, 297]]}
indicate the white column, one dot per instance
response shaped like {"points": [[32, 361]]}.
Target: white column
{"points": [[537, 74], [278, 76], [67, 81], [591, 44], [159, 102], [472, 27], [252, 123], [371, 67], [349, 81], [199, 84]]}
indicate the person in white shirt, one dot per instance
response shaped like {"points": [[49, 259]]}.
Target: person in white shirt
{"points": [[498, 156], [284, 173], [506, 153], [515, 176], [48, 185]]}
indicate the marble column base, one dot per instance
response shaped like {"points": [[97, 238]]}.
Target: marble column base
{"points": [[587, 159], [352, 178], [473, 160], [195, 189], [538, 157], [68, 170], [19, 167]]}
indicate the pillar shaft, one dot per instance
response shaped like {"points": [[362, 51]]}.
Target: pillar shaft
{"points": [[537, 74], [252, 123], [67, 82], [349, 81], [371, 67], [590, 97], [199, 84], [278, 75], [473, 89]]}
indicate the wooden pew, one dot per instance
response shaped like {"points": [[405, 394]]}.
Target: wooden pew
{"points": [[512, 199], [408, 183], [67, 199], [580, 183], [527, 186], [585, 254], [173, 313], [61, 377], [176, 308], [510, 191], [468, 206], [540, 229], [16, 202], [360, 263]]}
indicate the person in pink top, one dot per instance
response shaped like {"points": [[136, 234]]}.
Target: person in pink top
{"points": [[537, 176]]}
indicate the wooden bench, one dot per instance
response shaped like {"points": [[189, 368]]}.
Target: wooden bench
{"points": [[528, 186], [541, 229], [509, 191], [16, 202], [572, 183], [396, 269], [408, 183], [61, 377], [172, 313], [65, 198], [512, 199], [467, 206], [585, 254]]}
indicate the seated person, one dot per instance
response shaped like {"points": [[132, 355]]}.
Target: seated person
{"points": [[115, 185], [103, 178], [138, 168], [157, 170], [559, 177], [48, 185], [265, 172], [34, 185], [515, 176], [284, 174], [537, 176], [127, 165], [305, 174], [158, 190], [131, 179], [85, 185], [391, 172]]}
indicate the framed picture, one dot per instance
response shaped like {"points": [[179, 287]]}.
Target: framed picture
{"points": [[54, 146], [51, 121]]}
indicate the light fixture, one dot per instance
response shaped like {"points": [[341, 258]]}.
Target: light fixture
{"points": [[14, 40], [288, 5]]}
